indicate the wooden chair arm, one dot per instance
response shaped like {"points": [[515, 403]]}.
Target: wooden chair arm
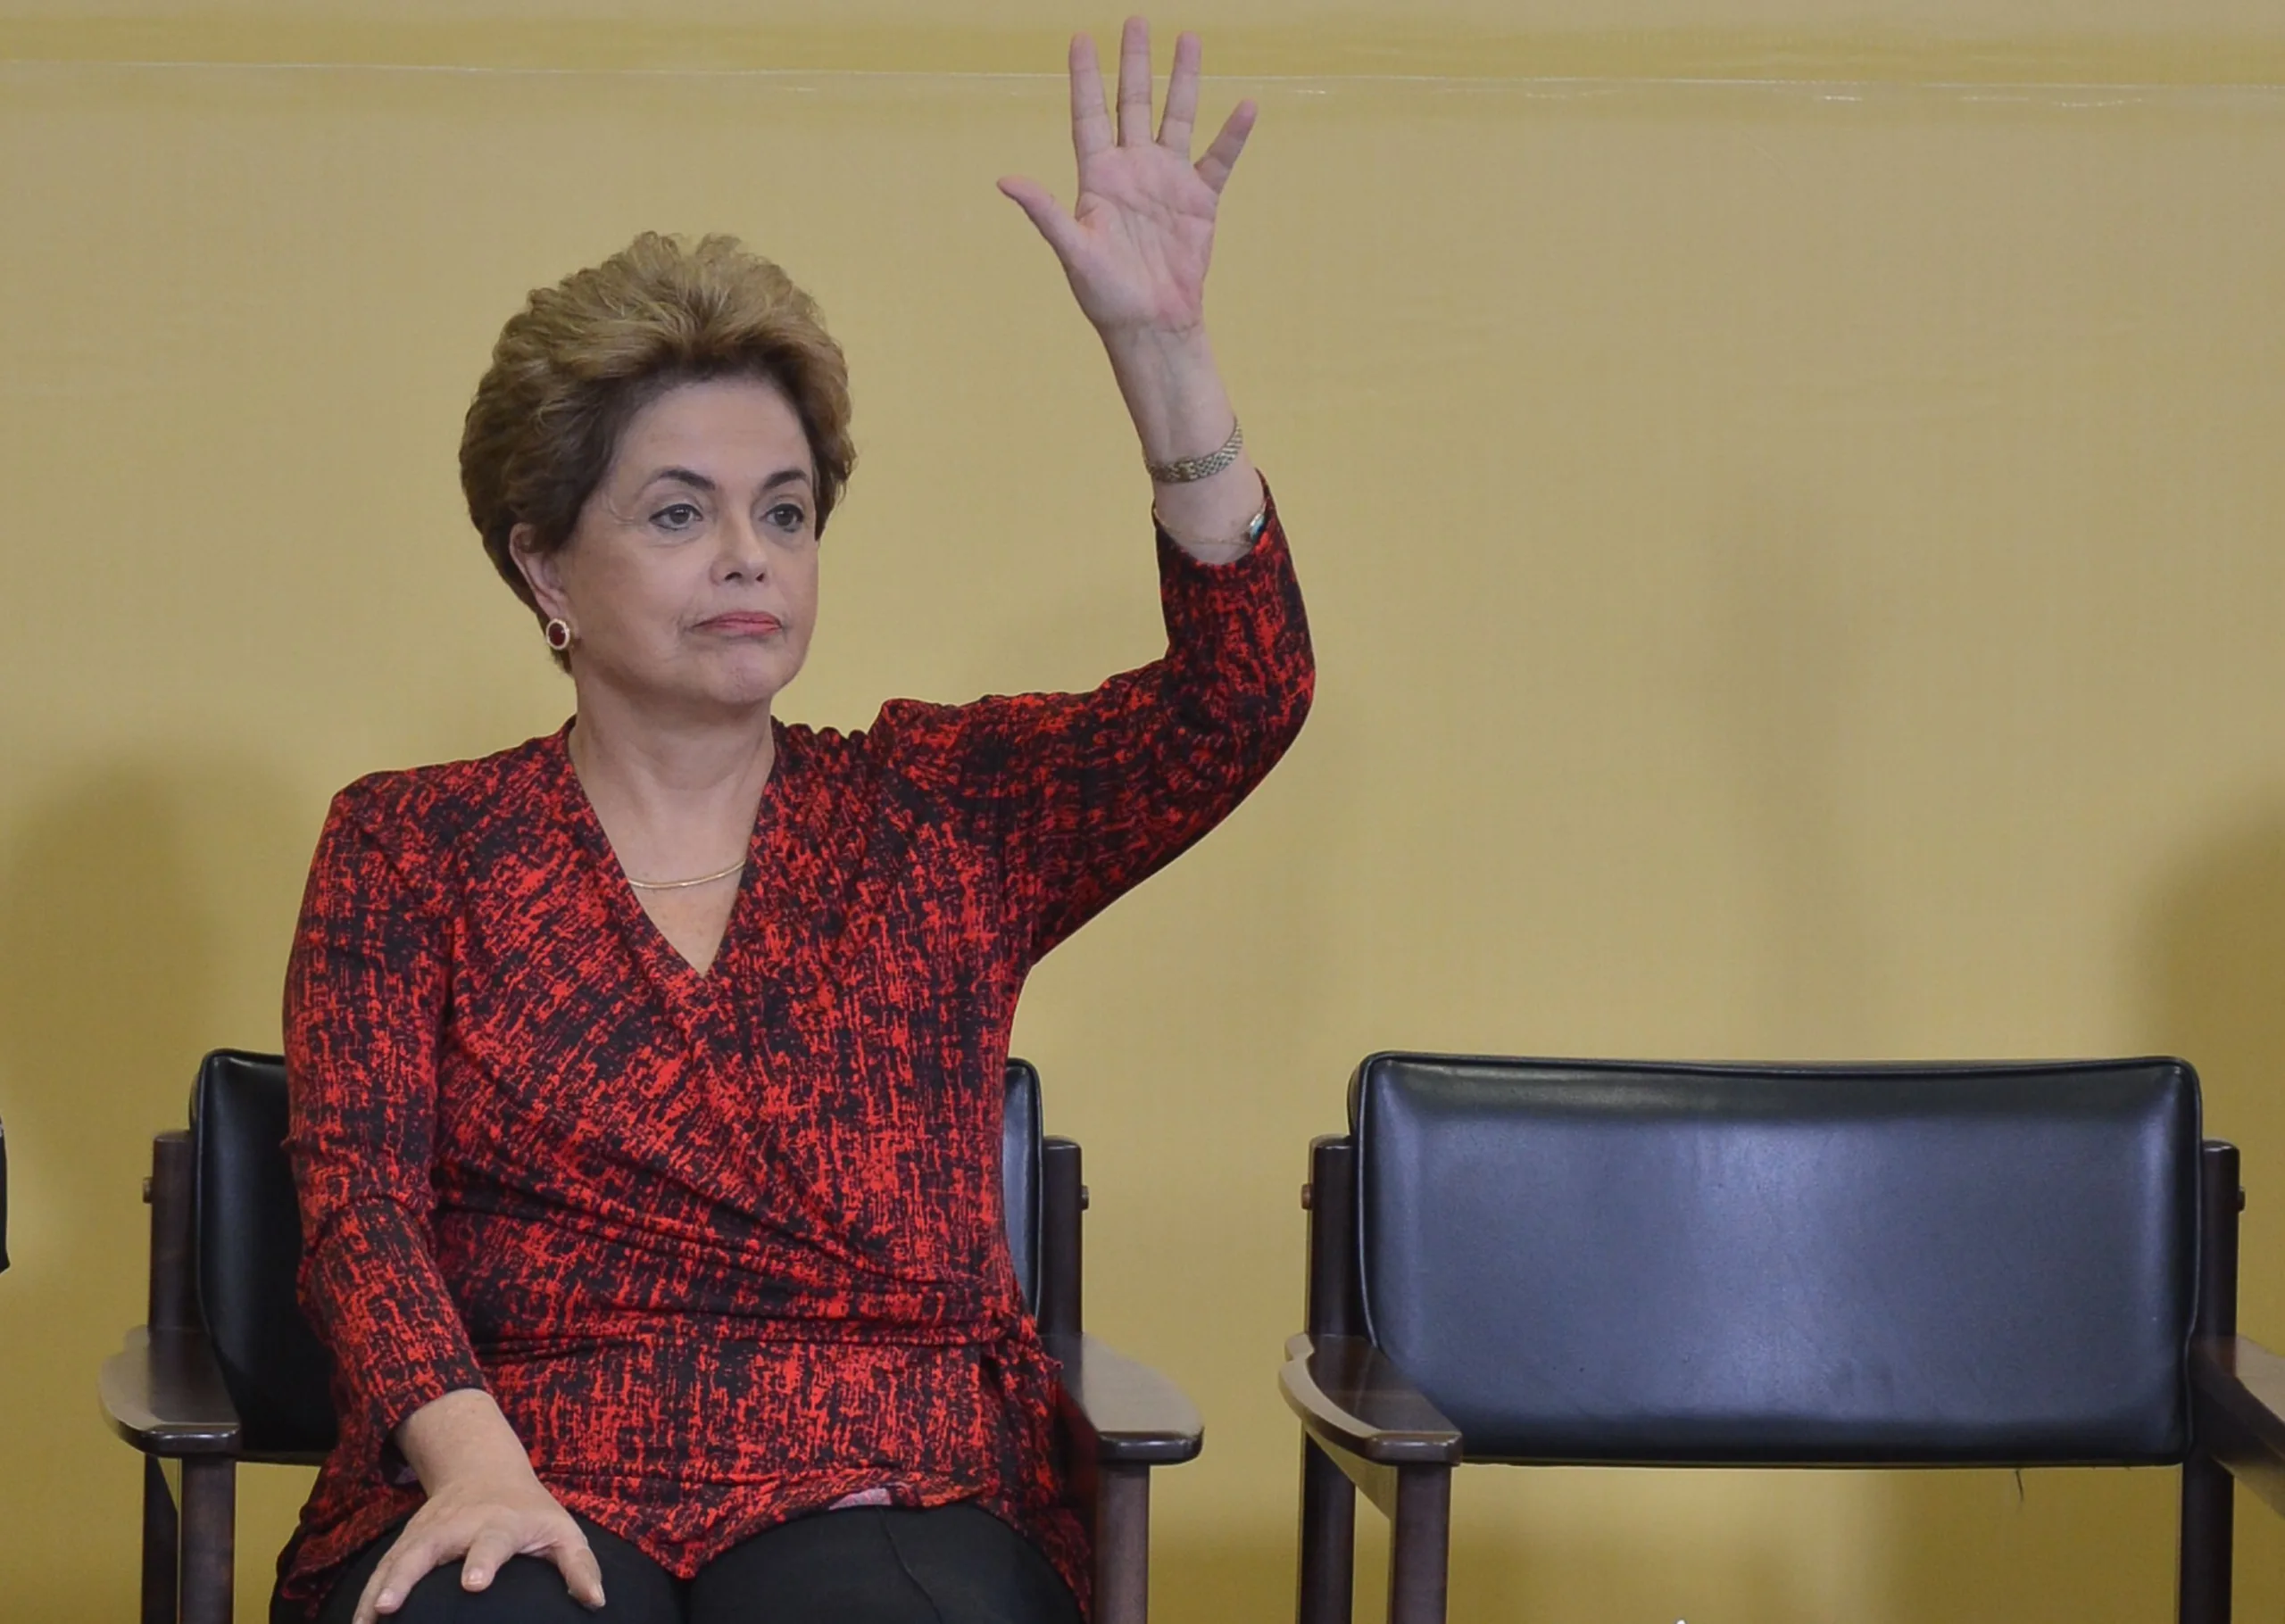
{"points": [[2238, 1412], [1121, 1412], [1123, 1419], [1351, 1399], [163, 1394]]}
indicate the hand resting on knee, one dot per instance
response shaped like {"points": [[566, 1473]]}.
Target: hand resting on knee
{"points": [[484, 1505]]}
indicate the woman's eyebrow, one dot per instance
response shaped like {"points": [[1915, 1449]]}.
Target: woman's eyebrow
{"points": [[697, 482], [700, 482]]}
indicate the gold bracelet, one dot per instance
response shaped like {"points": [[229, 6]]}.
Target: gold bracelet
{"points": [[1189, 470]]}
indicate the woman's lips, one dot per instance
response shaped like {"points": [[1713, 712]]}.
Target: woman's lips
{"points": [[742, 625]]}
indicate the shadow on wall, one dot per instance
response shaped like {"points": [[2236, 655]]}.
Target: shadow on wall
{"points": [[2213, 964], [112, 959], [2091, 1546]]}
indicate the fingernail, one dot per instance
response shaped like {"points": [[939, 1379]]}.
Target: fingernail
{"points": [[385, 1600]]}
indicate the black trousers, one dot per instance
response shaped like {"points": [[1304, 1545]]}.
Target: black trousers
{"points": [[950, 1564]]}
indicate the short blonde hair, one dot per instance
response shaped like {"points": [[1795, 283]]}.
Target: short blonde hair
{"points": [[574, 366]]}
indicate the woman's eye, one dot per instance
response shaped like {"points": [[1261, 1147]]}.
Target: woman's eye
{"points": [[676, 516], [788, 517]]}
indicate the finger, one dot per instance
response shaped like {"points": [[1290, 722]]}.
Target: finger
{"points": [[1135, 83], [1222, 157], [1060, 230], [583, 1575], [367, 1612], [1182, 96], [407, 1564], [1089, 124], [486, 1553]]}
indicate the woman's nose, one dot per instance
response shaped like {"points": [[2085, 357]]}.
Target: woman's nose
{"points": [[743, 551]]}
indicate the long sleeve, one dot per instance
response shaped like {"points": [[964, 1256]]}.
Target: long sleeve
{"points": [[1085, 796], [365, 998]]}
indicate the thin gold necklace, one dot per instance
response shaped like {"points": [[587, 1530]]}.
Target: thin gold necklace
{"points": [[720, 874]]}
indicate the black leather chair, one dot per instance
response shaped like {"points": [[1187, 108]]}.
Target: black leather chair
{"points": [[1550, 1262], [227, 1370]]}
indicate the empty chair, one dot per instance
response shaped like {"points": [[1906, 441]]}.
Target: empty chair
{"points": [[1566, 1263]]}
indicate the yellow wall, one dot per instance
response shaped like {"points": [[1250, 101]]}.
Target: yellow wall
{"points": [[1795, 560]]}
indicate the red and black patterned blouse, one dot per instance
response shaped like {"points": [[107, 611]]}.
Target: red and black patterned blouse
{"points": [[727, 1248]]}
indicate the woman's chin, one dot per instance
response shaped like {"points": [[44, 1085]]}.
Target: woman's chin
{"points": [[728, 688], [741, 684]]}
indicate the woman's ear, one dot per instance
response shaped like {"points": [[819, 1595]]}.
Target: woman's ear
{"points": [[539, 572]]}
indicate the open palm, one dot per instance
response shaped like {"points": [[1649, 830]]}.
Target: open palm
{"points": [[1136, 244]]}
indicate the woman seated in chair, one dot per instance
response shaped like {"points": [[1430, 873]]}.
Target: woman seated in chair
{"points": [[647, 1076]]}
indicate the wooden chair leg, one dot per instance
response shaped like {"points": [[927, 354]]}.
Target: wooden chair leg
{"points": [[1122, 1545], [2208, 1505], [1327, 1586], [209, 1537], [2208, 1495], [1419, 1545], [162, 1544]]}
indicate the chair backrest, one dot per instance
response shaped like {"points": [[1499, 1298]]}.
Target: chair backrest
{"points": [[249, 1244], [247, 1231], [1587, 1262]]}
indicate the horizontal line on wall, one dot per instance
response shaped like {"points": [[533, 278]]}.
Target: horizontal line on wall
{"points": [[1392, 53]]}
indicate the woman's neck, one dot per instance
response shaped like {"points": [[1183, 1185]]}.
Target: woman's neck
{"points": [[674, 793]]}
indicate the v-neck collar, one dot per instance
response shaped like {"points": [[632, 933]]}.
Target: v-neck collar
{"points": [[649, 943]]}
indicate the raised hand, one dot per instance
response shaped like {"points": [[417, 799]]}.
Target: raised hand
{"points": [[1137, 242]]}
